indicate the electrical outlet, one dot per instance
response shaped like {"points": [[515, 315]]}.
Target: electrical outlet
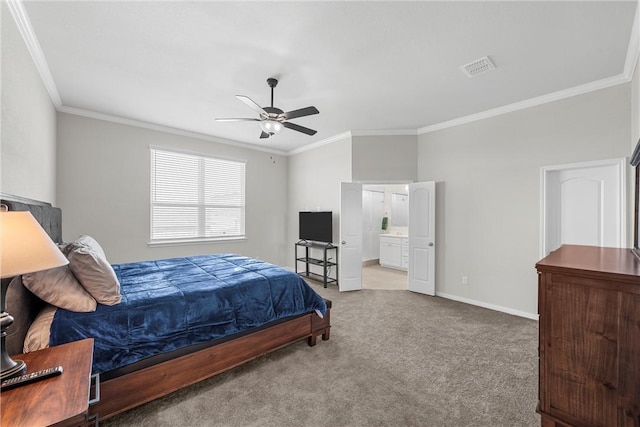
{"points": [[465, 280]]}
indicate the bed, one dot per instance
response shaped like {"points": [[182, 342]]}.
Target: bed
{"points": [[175, 353]]}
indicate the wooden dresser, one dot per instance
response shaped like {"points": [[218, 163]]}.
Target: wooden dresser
{"points": [[589, 348]]}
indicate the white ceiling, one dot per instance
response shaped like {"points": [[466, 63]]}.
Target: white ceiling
{"points": [[373, 67]]}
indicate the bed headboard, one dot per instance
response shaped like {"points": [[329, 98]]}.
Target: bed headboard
{"points": [[21, 303], [50, 218]]}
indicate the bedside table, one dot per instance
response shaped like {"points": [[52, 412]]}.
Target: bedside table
{"points": [[62, 400]]}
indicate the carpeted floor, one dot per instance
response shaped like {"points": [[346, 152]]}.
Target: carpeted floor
{"points": [[395, 358]]}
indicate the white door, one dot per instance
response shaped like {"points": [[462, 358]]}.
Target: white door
{"points": [[584, 204], [422, 239], [350, 248]]}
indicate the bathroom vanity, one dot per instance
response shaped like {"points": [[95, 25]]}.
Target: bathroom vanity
{"points": [[394, 251]]}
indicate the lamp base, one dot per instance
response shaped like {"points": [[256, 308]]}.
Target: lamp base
{"points": [[8, 367], [20, 368]]}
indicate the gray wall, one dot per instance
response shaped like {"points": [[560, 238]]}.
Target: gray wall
{"points": [[28, 131], [104, 190], [314, 184], [384, 158], [488, 189]]}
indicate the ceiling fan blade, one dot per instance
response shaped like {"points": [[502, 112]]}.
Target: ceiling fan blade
{"points": [[237, 120], [264, 135], [251, 103], [300, 113], [299, 128]]}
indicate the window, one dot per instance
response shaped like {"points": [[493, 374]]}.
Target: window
{"points": [[194, 197]]}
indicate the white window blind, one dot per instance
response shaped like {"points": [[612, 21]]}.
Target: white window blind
{"points": [[196, 197]]}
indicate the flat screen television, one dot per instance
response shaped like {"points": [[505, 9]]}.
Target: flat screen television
{"points": [[316, 226]]}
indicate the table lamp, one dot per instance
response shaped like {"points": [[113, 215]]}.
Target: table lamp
{"points": [[24, 248]]}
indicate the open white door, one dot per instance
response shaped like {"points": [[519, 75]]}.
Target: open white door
{"points": [[350, 251], [422, 239]]}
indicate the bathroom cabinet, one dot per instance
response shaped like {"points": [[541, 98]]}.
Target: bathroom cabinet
{"points": [[394, 251]]}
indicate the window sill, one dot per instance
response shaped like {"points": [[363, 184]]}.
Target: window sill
{"points": [[180, 242]]}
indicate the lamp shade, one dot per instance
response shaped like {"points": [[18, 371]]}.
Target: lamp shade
{"points": [[24, 245]]}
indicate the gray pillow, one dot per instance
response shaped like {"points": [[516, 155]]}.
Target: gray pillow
{"points": [[89, 264], [59, 287]]}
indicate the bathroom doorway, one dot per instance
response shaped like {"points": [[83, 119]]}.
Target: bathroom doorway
{"points": [[419, 241], [385, 223]]}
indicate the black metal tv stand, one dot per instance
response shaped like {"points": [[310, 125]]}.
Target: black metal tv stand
{"points": [[326, 262]]}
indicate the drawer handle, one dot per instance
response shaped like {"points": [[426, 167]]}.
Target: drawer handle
{"points": [[95, 385]]}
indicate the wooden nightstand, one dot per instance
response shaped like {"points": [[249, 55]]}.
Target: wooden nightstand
{"points": [[62, 400]]}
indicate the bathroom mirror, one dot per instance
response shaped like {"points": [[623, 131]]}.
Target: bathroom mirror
{"points": [[399, 210]]}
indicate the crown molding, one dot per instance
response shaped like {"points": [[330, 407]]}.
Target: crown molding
{"points": [[165, 129], [320, 143], [384, 132], [16, 7], [634, 45], [532, 102]]}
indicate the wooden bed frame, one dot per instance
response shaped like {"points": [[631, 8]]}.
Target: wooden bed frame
{"points": [[119, 393]]}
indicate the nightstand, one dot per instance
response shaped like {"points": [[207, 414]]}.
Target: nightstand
{"points": [[62, 400]]}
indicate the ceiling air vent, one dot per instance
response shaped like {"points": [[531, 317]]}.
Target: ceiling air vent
{"points": [[479, 66]]}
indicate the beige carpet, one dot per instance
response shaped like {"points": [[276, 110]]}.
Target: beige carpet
{"points": [[395, 358]]}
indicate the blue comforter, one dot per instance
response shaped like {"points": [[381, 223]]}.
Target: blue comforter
{"points": [[172, 303]]}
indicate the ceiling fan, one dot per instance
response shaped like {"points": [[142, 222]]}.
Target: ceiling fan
{"points": [[273, 120]]}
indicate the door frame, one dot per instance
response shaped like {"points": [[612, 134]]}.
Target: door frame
{"points": [[545, 171]]}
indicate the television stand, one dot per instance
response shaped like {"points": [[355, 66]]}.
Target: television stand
{"points": [[326, 262]]}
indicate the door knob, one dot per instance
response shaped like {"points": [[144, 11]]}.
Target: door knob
{"points": [[430, 243], [344, 242]]}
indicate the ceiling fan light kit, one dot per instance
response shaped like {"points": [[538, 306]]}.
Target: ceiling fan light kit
{"points": [[272, 127], [273, 120]]}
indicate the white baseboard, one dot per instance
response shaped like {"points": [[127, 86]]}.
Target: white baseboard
{"points": [[532, 316], [519, 313]]}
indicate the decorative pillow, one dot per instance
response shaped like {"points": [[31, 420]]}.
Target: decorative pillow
{"points": [[39, 332], [92, 243], [59, 287], [25, 306], [88, 263]]}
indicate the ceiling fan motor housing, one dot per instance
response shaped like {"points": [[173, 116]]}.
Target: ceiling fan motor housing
{"points": [[273, 113]]}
